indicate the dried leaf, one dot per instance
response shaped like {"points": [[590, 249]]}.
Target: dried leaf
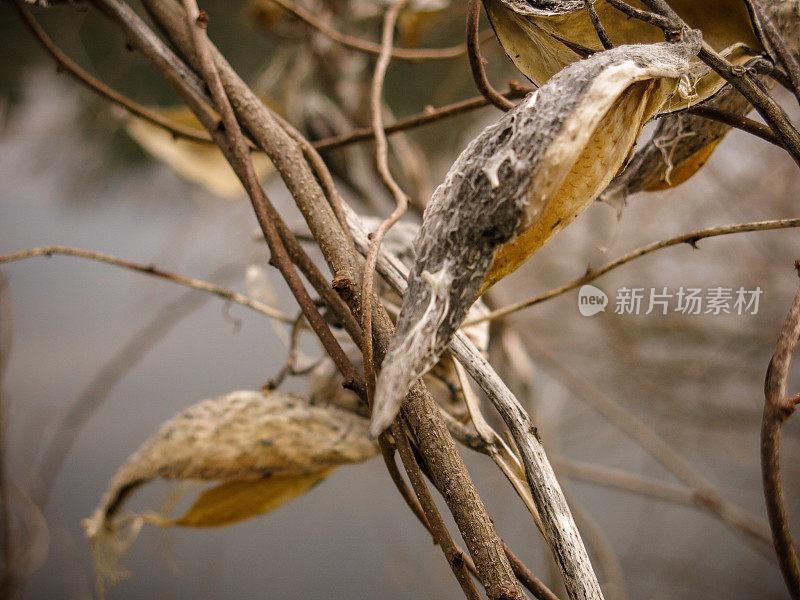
{"points": [[520, 182], [237, 500], [264, 449], [543, 36], [197, 162]]}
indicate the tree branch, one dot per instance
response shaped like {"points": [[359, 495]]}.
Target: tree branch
{"points": [[476, 61], [413, 55], [153, 271], [687, 238], [777, 409]]}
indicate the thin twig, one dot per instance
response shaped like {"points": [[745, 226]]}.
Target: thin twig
{"points": [[777, 409], [527, 578], [370, 47], [69, 66], [778, 46], [401, 199], [454, 555], [602, 34], [476, 61], [642, 15], [687, 238], [746, 124], [196, 284], [429, 115]]}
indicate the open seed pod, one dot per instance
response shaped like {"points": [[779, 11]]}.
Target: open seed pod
{"points": [[680, 146], [682, 143], [261, 450], [543, 36], [519, 183]]}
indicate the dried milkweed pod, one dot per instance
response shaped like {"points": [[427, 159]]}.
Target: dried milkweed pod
{"points": [[680, 146], [261, 450], [543, 36], [516, 185], [682, 143]]}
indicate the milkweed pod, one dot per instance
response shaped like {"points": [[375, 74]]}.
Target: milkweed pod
{"points": [[261, 450], [543, 36], [680, 146], [519, 183]]}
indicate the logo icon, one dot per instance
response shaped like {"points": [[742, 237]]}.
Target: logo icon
{"points": [[591, 300]]}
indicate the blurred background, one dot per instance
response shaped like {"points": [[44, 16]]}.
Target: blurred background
{"points": [[75, 171]]}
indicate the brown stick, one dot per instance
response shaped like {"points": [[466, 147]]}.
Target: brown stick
{"points": [[435, 443], [412, 121], [153, 271], [777, 409], [401, 199], [72, 68], [602, 34], [369, 47], [690, 238], [476, 60], [738, 121], [438, 529]]}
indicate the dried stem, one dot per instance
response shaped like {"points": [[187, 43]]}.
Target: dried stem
{"points": [[476, 61], [68, 65], [454, 555], [426, 117], [602, 34], [151, 270], [400, 197], [777, 409], [687, 238], [369, 47], [738, 121], [435, 444]]}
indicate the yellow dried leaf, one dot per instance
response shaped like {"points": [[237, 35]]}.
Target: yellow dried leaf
{"points": [[234, 501], [197, 162]]}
